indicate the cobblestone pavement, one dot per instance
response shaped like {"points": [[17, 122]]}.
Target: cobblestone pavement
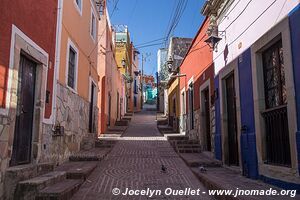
{"points": [[135, 163]]}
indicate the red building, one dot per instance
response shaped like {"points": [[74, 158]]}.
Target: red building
{"points": [[196, 89], [28, 32]]}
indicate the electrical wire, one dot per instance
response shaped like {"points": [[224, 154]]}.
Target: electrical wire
{"points": [[251, 24]]}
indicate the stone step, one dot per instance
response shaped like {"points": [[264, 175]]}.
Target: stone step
{"points": [[192, 150], [110, 135], [177, 137], [105, 143], [126, 118], [63, 190], [187, 142], [95, 154], [128, 114], [27, 190], [188, 146], [77, 170], [14, 175], [162, 122], [122, 123], [220, 178], [205, 159], [117, 129]]}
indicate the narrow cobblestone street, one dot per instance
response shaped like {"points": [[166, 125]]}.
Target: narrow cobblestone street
{"points": [[135, 163]]}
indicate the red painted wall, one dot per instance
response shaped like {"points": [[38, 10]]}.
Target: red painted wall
{"points": [[197, 61], [36, 19]]}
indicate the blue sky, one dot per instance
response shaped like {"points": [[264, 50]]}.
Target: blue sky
{"points": [[148, 20]]}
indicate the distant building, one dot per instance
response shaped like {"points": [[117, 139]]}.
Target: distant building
{"points": [[177, 50], [162, 73], [111, 84]]}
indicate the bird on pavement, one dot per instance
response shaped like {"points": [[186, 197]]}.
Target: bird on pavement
{"points": [[163, 169]]}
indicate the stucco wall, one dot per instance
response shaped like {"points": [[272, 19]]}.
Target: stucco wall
{"points": [[294, 18], [242, 29], [42, 32], [76, 28]]}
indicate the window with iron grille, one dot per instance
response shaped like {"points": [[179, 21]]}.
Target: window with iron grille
{"points": [[71, 68], [275, 90], [275, 115]]}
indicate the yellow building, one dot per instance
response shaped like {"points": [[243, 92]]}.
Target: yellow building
{"points": [[76, 79], [174, 103], [124, 61]]}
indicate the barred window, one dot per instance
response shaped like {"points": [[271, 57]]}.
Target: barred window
{"points": [[71, 68]]}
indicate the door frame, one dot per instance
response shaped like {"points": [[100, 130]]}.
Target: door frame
{"points": [[232, 67], [22, 44], [95, 99], [203, 139], [282, 30]]}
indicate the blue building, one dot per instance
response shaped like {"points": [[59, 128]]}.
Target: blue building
{"points": [[257, 87]]}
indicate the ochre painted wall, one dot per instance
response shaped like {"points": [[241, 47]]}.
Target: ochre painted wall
{"points": [[76, 27], [174, 90]]}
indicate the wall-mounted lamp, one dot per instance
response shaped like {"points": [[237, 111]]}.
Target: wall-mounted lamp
{"points": [[213, 38], [212, 41]]}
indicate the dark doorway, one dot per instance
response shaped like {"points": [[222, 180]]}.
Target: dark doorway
{"points": [[118, 110], [191, 105], [207, 119], [92, 125], [233, 152], [24, 114], [109, 110]]}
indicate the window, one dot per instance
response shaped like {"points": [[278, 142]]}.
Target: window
{"points": [[275, 90], [93, 25], [78, 6], [275, 115], [71, 66], [71, 69]]}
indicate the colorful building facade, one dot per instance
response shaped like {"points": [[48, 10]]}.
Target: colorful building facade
{"points": [[256, 109], [177, 50], [112, 87], [76, 81], [196, 90], [27, 71]]}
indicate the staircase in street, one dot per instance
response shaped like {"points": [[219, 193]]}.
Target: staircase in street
{"points": [[49, 182]]}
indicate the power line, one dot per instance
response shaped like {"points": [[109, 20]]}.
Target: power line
{"points": [[236, 38], [238, 15], [150, 45], [159, 39], [180, 8]]}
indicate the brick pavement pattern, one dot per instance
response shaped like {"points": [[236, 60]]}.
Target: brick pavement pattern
{"points": [[135, 163]]}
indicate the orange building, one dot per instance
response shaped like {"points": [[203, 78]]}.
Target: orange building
{"points": [[111, 83], [196, 89]]}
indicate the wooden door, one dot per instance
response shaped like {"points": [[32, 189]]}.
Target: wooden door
{"points": [[24, 114], [207, 119], [233, 153]]}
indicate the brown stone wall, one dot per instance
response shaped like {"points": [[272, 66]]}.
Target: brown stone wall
{"points": [[72, 112]]}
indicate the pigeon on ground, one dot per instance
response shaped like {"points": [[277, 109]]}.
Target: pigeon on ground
{"points": [[202, 169], [163, 169]]}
